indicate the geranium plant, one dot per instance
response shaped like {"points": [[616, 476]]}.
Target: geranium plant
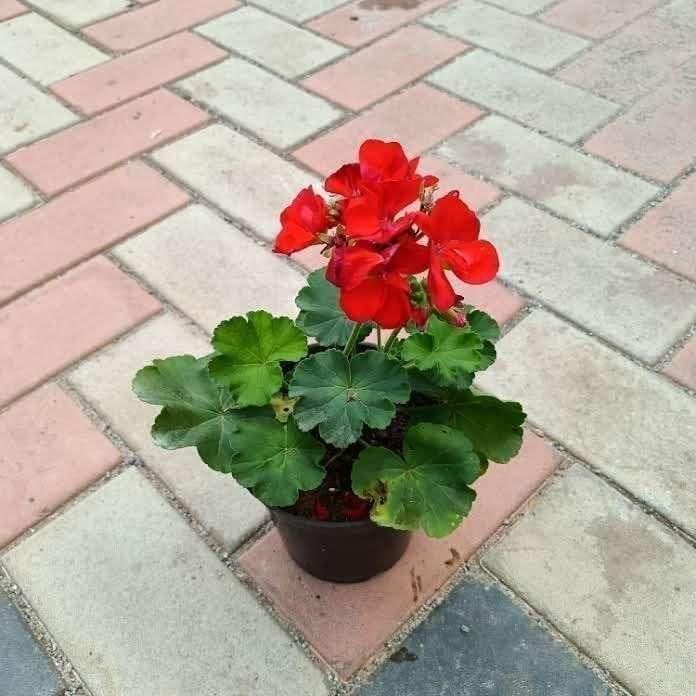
{"points": [[328, 415]]}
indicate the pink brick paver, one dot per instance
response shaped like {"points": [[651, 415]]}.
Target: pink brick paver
{"points": [[419, 118], [155, 21], [682, 367], [138, 72], [11, 8], [667, 233], [595, 18], [81, 223], [89, 148], [369, 612], [656, 137], [362, 21], [391, 63], [62, 321], [50, 452]]}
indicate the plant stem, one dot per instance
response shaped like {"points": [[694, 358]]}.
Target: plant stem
{"points": [[390, 341], [353, 340], [379, 338]]}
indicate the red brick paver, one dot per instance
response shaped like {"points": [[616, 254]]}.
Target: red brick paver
{"points": [[419, 117], [362, 21], [667, 233], [155, 21], [138, 72], [89, 148], [50, 451], [369, 612], [11, 8], [62, 321], [83, 222], [391, 63], [683, 365]]}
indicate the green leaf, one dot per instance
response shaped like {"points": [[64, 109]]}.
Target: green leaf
{"points": [[492, 425], [197, 412], [320, 314], [251, 350], [276, 460], [449, 353], [484, 325], [340, 395], [429, 488]]}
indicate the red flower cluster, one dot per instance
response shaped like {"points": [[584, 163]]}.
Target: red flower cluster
{"points": [[378, 245]]}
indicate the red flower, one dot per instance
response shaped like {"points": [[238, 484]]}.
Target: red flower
{"points": [[302, 222], [453, 230], [373, 283]]}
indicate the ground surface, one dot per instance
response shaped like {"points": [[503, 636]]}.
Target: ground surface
{"points": [[145, 152]]}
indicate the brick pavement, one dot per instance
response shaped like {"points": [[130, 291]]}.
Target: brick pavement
{"points": [[146, 149]]}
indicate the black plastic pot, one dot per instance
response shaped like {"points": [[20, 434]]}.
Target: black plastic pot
{"points": [[340, 551]]}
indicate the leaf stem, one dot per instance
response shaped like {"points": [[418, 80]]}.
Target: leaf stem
{"points": [[353, 340], [379, 338], [390, 341]]}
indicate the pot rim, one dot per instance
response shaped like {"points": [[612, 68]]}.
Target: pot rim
{"points": [[346, 524]]}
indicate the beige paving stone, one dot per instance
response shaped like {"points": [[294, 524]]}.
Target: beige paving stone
{"points": [[209, 269], [14, 194], [251, 97], [26, 113], [278, 45], [635, 426], [43, 50], [631, 304], [526, 7], [244, 179], [525, 95], [614, 580], [569, 183], [511, 35], [299, 10], [156, 612], [77, 13], [226, 509]]}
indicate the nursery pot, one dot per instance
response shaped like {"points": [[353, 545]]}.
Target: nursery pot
{"points": [[340, 551]]}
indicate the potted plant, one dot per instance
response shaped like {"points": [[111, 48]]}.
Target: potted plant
{"points": [[358, 437]]}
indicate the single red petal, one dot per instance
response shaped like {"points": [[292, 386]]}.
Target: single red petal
{"points": [[442, 296], [450, 218], [396, 195], [345, 181], [364, 301], [380, 161], [361, 216], [409, 257], [429, 180], [396, 307], [293, 238], [473, 262]]}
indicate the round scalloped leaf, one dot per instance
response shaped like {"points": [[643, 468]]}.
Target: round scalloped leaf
{"points": [[484, 325], [493, 426], [251, 350], [340, 395], [320, 314], [430, 487], [276, 460]]}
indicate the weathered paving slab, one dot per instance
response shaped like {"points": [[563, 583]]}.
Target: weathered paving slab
{"points": [[196, 260], [278, 45], [632, 424], [299, 10], [226, 509], [480, 643], [628, 302], [569, 183], [14, 194], [24, 669], [611, 578], [510, 35], [249, 96], [77, 13], [156, 611], [244, 179], [524, 94]]}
